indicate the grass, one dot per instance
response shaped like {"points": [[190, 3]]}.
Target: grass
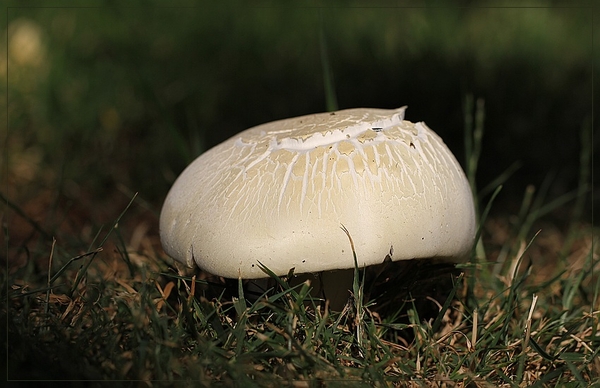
{"points": [[122, 318], [110, 308]]}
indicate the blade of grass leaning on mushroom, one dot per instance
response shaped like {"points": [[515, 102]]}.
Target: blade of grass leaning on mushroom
{"points": [[277, 194]]}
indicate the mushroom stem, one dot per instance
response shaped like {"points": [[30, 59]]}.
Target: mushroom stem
{"points": [[334, 286]]}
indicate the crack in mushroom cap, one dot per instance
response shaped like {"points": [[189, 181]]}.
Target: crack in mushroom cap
{"points": [[278, 193]]}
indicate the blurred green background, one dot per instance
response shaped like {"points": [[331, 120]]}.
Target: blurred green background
{"points": [[120, 98]]}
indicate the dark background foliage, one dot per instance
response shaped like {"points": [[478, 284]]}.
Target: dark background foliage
{"points": [[127, 95]]}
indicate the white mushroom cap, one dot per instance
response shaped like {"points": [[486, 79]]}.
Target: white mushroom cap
{"points": [[278, 193]]}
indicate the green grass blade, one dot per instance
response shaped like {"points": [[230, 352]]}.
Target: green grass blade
{"points": [[83, 270], [438, 320], [328, 82]]}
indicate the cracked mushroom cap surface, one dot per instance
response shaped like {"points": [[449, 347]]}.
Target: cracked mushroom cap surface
{"points": [[278, 194]]}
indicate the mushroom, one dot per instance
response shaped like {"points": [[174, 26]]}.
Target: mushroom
{"points": [[278, 194]]}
